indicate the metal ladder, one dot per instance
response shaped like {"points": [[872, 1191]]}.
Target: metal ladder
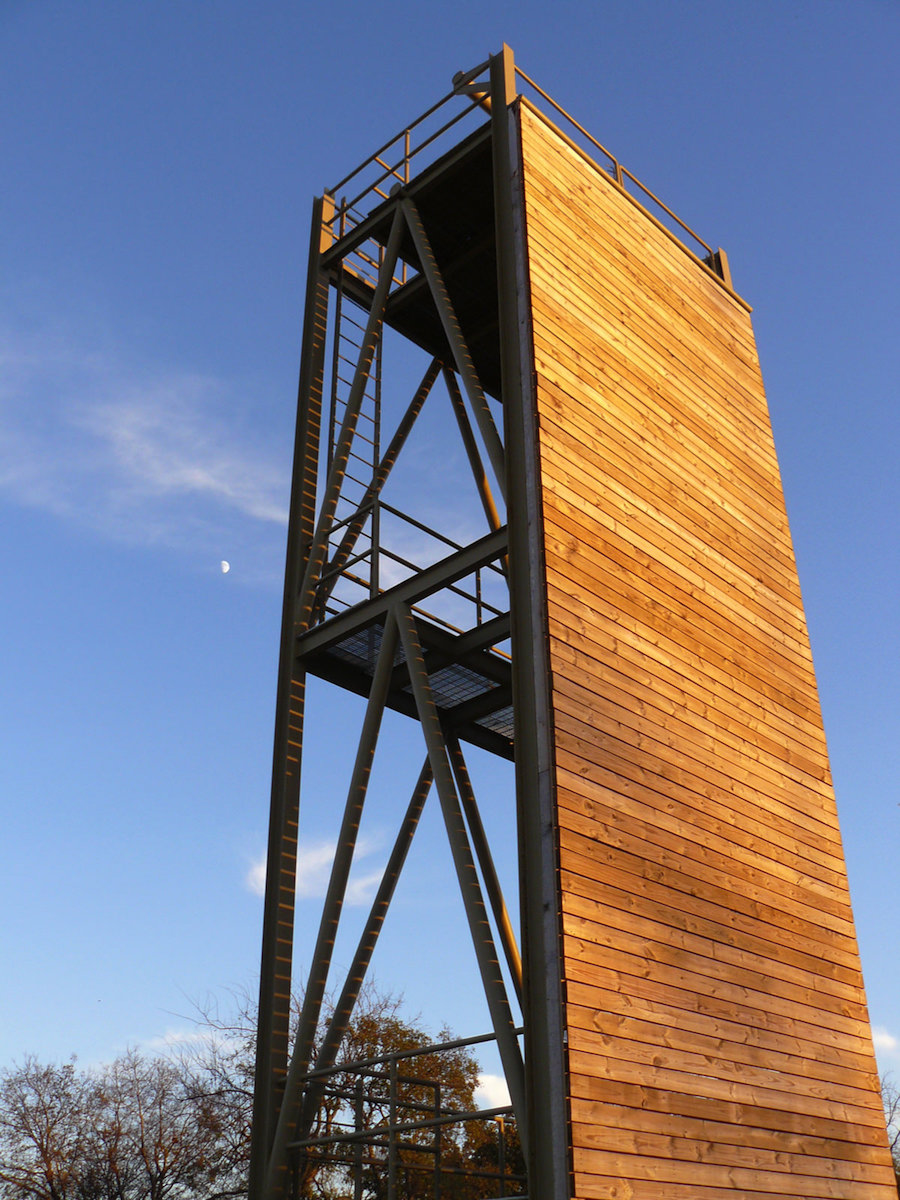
{"points": [[348, 326]]}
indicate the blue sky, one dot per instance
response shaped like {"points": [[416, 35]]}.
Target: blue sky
{"points": [[159, 160]]}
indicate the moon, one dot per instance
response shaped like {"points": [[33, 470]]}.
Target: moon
{"points": [[226, 566]]}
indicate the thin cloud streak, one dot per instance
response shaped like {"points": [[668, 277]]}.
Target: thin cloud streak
{"points": [[163, 458], [162, 443], [886, 1044], [148, 457], [314, 868]]}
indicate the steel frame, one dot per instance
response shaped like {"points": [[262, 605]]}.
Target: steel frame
{"points": [[405, 1116], [375, 263], [408, 649], [549, 1168]]}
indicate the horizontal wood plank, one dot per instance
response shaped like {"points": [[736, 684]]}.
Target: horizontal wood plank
{"points": [[718, 1038]]}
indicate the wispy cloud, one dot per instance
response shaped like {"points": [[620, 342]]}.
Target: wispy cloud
{"points": [[176, 1039], [314, 868], [144, 455], [165, 441], [164, 456], [255, 879], [361, 888], [492, 1091], [887, 1046]]}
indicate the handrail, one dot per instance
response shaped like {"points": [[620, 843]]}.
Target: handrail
{"points": [[401, 1133], [417, 1052], [619, 173], [449, 1116], [409, 128], [559, 108], [408, 155], [343, 218], [468, 85]]}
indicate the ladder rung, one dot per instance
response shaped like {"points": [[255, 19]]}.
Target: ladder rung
{"points": [[359, 482], [362, 437], [340, 408]]}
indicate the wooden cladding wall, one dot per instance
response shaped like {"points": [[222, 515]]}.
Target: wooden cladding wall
{"points": [[719, 1044]]}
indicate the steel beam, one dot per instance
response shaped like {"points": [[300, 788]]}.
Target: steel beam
{"points": [[538, 1086], [549, 1168], [472, 453], [477, 640], [485, 862], [410, 591], [460, 849], [278, 920], [458, 347], [343, 1010], [289, 1112]]}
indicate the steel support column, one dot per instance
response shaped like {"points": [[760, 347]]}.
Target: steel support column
{"points": [[461, 686], [545, 1063], [272, 1043], [486, 863]]}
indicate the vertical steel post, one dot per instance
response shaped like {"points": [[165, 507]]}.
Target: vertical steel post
{"points": [[547, 1155], [357, 1145], [501, 1153], [392, 1133], [539, 1089], [278, 919], [438, 1143]]}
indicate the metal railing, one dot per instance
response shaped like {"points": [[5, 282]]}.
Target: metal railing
{"points": [[424, 139], [614, 168], [476, 592], [385, 1129]]}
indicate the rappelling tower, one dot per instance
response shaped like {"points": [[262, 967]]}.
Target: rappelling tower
{"points": [[676, 998]]}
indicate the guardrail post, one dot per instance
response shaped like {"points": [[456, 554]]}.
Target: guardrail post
{"points": [[503, 78], [392, 1135], [358, 1146], [438, 1143], [720, 266], [501, 1153]]}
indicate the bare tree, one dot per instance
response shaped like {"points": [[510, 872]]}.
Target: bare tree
{"points": [[128, 1131], [41, 1130], [890, 1096], [219, 1065], [169, 1127]]}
